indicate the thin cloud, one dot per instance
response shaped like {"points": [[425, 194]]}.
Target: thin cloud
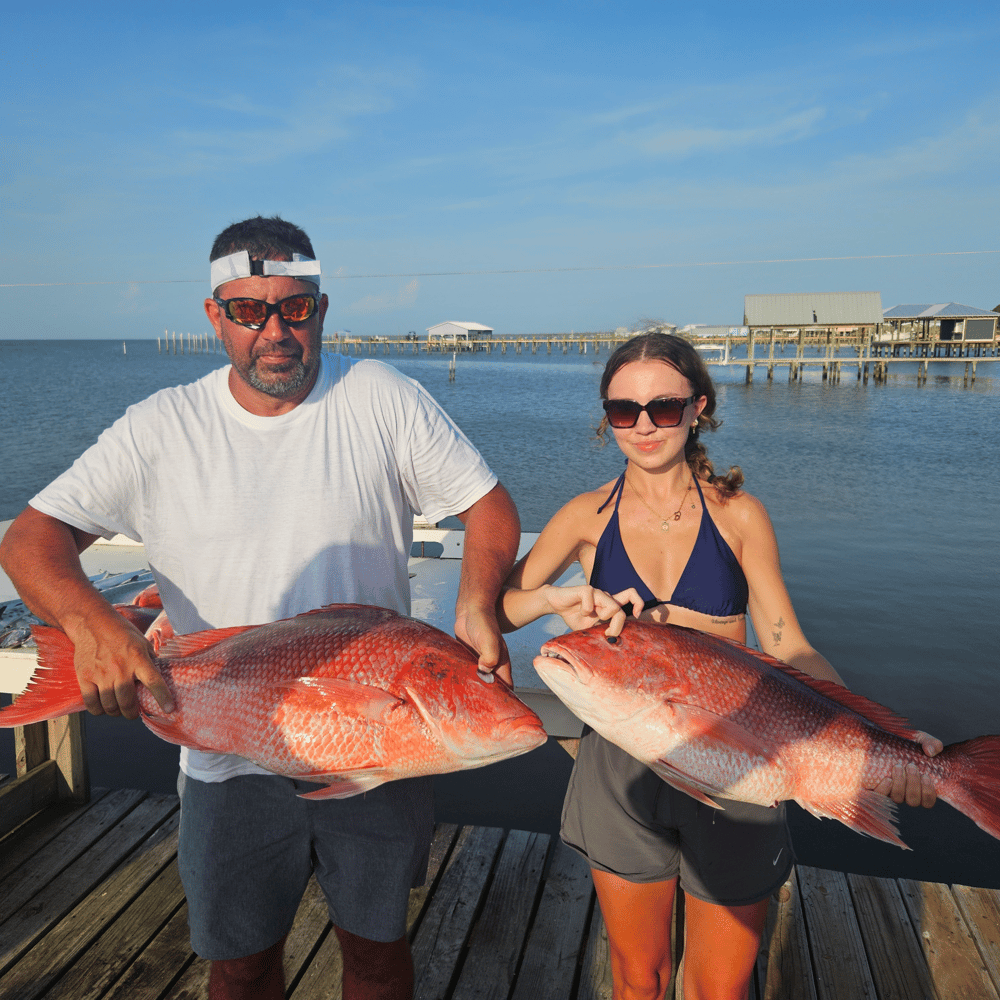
{"points": [[692, 141], [402, 298]]}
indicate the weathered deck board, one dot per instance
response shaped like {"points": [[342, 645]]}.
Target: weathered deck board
{"points": [[41, 830], [595, 974], [494, 946], [784, 969], [43, 911], [956, 967], [838, 952], [94, 910], [106, 958], [896, 960], [557, 937], [449, 917], [981, 910]]}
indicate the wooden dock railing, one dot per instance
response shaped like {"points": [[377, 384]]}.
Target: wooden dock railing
{"points": [[51, 767]]}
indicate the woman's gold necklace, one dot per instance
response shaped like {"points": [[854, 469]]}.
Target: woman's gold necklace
{"points": [[665, 522]]}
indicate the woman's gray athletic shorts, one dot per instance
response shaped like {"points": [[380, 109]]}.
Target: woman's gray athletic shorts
{"points": [[249, 844], [627, 821]]}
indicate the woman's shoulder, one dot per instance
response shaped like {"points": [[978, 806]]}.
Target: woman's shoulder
{"points": [[584, 507], [740, 511]]}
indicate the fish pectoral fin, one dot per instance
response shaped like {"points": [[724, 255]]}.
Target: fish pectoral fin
{"points": [[683, 782], [869, 813], [344, 697], [346, 784], [696, 722], [454, 739]]}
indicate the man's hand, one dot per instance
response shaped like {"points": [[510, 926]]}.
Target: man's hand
{"points": [[479, 631], [110, 656], [907, 784], [41, 555]]}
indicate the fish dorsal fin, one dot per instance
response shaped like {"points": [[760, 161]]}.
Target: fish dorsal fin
{"points": [[875, 713], [198, 642], [366, 608]]}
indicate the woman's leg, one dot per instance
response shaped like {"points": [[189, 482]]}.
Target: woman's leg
{"points": [[720, 948], [637, 916]]}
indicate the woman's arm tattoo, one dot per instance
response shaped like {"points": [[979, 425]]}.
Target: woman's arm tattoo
{"points": [[779, 624]]}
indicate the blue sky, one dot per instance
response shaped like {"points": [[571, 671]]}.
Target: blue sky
{"points": [[605, 153]]}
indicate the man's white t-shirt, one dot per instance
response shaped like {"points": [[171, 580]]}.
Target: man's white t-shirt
{"points": [[248, 519]]}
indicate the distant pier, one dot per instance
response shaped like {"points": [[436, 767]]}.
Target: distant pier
{"points": [[832, 352]]}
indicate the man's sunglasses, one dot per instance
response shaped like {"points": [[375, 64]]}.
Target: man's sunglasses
{"points": [[255, 313], [666, 411]]}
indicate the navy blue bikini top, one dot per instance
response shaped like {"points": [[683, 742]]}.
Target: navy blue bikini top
{"points": [[712, 583]]}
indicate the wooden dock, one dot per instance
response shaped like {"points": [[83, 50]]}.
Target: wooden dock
{"points": [[828, 352], [91, 908]]}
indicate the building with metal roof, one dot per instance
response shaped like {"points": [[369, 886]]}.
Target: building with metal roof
{"points": [[944, 321], [458, 332], [816, 310]]}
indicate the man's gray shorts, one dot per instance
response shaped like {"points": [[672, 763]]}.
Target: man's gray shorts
{"points": [[249, 844]]}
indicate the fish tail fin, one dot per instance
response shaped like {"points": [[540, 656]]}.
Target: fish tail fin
{"points": [[53, 689], [973, 782]]}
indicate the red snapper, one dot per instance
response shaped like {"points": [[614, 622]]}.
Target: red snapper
{"points": [[348, 695], [713, 717]]}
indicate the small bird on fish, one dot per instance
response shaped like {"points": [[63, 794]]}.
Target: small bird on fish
{"points": [[714, 718], [347, 695]]}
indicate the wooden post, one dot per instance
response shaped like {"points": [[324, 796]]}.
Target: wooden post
{"points": [[66, 747]]}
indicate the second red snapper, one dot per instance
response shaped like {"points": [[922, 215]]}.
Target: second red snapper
{"points": [[713, 717], [348, 695]]}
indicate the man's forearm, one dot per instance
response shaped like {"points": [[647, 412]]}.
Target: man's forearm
{"points": [[492, 536], [41, 555]]}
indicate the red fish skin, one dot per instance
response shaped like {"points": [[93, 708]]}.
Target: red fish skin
{"points": [[350, 695], [148, 598], [713, 717]]}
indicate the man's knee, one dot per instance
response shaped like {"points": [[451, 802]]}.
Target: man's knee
{"points": [[375, 961], [260, 975]]}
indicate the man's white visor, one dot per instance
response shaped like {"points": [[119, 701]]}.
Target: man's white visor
{"points": [[239, 265]]}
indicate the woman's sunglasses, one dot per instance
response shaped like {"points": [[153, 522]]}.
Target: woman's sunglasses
{"points": [[255, 313], [666, 411]]}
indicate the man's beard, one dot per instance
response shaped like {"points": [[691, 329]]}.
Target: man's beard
{"points": [[279, 384]]}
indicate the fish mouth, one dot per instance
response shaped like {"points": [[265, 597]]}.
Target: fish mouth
{"points": [[512, 737], [556, 660]]}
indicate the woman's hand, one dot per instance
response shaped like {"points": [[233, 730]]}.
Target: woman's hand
{"points": [[907, 784], [583, 606]]}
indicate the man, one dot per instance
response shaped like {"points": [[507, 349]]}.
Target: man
{"points": [[285, 482]]}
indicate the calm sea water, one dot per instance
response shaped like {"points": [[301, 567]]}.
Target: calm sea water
{"points": [[885, 499]]}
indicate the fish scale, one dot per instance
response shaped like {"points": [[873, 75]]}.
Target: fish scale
{"points": [[347, 695], [716, 719]]}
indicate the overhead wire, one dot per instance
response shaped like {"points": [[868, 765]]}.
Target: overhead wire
{"points": [[530, 270]]}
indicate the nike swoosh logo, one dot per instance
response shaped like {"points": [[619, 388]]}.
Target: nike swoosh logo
{"points": [[778, 855]]}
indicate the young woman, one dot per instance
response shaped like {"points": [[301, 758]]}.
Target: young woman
{"points": [[672, 541]]}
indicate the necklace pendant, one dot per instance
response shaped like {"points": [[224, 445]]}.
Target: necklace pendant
{"points": [[664, 526], [677, 516]]}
